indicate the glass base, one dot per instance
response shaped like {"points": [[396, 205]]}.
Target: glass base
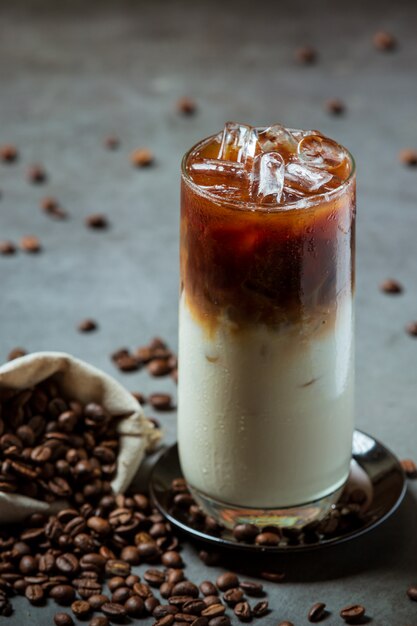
{"points": [[288, 517]]}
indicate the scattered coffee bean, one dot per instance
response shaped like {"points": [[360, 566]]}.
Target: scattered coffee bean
{"points": [[99, 620], [96, 601], [112, 142], [214, 610], [411, 329], [391, 286], [159, 367], [306, 55], [135, 606], [142, 157], [172, 559], [220, 620], [63, 619], [97, 221], [246, 532], [260, 609], [9, 154], [63, 594], [412, 593], [335, 106], [185, 588], [252, 589], [30, 244], [243, 611], [114, 611], [81, 608], [36, 174], [7, 248], [51, 207], [353, 613], [16, 353], [127, 363], [228, 580], [409, 467], [317, 612], [408, 156], [186, 106], [233, 596], [35, 594], [87, 325], [207, 588], [386, 42], [161, 401]]}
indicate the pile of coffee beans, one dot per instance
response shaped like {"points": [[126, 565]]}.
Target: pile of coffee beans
{"points": [[54, 448]]}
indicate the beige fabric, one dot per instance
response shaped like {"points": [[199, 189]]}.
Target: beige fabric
{"points": [[80, 381]]}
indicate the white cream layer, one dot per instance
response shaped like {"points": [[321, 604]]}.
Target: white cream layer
{"points": [[266, 417]]}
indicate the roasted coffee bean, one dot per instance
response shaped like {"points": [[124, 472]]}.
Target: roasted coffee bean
{"points": [[87, 587], [132, 580], [142, 157], [99, 620], [306, 55], [161, 401], [41, 454], [114, 611], [97, 221], [386, 42], [352, 613], [99, 525], [164, 609], [87, 325], [165, 589], [286, 623], [317, 612], [209, 558], [252, 589], [207, 588], [151, 603], [28, 564], [159, 367], [81, 608], [51, 207], [267, 539], [246, 532], [36, 174], [408, 156], [195, 607], [179, 600], [154, 577], [186, 106], [63, 619], [121, 595], [7, 248], [67, 563], [131, 555], [30, 244], [228, 580], [59, 487], [97, 600], [201, 621], [233, 596], [167, 620], [391, 286], [412, 593], [243, 611], [409, 467], [63, 594], [127, 363], [172, 559], [260, 609], [185, 588], [35, 594], [221, 620], [8, 153], [92, 561], [273, 577], [134, 606], [184, 618], [142, 590], [335, 106], [411, 329], [214, 610]]}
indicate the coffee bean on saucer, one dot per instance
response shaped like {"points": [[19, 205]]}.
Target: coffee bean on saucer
{"points": [[306, 55], [63, 619], [243, 611], [142, 157], [112, 142], [335, 106], [267, 539], [412, 593], [384, 41], [245, 532], [186, 106], [317, 612], [391, 286], [409, 467], [8, 154], [97, 221], [51, 206], [87, 326], [408, 156], [228, 580], [161, 401], [411, 329], [16, 353], [353, 613], [7, 248], [36, 174], [30, 244]]}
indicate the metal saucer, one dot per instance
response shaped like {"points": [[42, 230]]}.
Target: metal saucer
{"points": [[374, 469]]}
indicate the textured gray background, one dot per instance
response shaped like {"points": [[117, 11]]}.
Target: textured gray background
{"points": [[73, 72]]}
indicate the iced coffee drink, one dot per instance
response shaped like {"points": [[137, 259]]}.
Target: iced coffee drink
{"points": [[266, 410]]}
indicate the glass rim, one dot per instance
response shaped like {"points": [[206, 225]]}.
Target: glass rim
{"points": [[303, 203]]}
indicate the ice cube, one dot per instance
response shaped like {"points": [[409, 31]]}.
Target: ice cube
{"points": [[267, 178], [276, 138], [321, 152], [239, 142], [208, 172], [306, 178]]}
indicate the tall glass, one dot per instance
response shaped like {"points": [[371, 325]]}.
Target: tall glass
{"points": [[266, 370]]}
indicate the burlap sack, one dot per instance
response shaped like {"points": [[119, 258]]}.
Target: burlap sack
{"points": [[80, 381]]}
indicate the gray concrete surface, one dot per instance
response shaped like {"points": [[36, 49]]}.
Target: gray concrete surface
{"points": [[73, 72]]}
